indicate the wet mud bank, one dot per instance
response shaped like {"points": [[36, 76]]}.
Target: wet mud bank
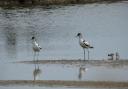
{"points": [[51, 2], [122, 62], [55, 83]]}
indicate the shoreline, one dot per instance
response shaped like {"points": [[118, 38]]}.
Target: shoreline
{"points": [[29, 3], [73, 61], [78, 62], [58, 83]]}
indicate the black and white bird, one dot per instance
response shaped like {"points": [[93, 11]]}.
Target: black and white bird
{"points": [[84, 44], [36, 48]]}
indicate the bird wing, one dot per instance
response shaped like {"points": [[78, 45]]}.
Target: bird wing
{"points": [[39, 46], [86, 43]]}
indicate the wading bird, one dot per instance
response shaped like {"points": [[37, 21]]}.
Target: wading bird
{"points": [[36, 48], [84, 44]]}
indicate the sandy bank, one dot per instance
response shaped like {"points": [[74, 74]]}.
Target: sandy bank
{"points": [[55, 83], [121, 62]]}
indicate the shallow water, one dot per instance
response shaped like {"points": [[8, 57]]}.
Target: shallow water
{"points": [[104, 25]]}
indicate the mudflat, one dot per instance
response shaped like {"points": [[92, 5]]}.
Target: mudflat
{"points": [[122, 62], [55, 83]]}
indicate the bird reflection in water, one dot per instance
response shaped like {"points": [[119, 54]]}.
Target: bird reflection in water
{"points": [[82, 71], [36, 72]]}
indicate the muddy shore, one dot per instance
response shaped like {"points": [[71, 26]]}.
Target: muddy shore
{"points": [[110, 63], [55, 83]]}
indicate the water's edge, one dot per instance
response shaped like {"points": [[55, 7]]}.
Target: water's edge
{"points": [[51, 2], [67, 61], [55, 83], [110, 63]]}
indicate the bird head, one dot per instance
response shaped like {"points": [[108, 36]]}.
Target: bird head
{"points": [[79, 34], [33, 38]]}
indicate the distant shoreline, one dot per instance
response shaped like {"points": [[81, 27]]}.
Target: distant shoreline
{"points": [[51, 2], [78, 62], [66, 83]]}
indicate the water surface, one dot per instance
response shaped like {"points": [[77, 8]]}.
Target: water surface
{"points": [[103, 25]]}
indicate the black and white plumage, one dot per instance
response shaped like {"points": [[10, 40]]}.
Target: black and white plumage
{"points": [[36, 47], [84, 44]]}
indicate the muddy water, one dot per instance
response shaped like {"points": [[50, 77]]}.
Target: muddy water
{"points": [[55, 27]]}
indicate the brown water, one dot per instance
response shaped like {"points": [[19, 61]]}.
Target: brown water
{"points": [[104, 25]]}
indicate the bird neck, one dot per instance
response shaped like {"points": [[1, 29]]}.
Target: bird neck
{"points": [[80, 38], [34, 41]]}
